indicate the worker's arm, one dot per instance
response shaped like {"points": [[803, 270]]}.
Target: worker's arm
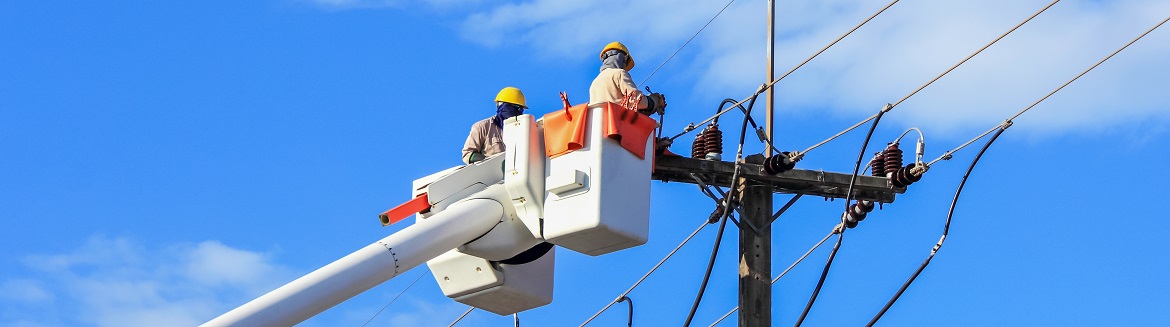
{"points": [[626, 83], [473, 147]]}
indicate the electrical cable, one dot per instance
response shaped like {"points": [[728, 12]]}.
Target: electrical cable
{"points": [[707, 273], [630, 319], [785, 272], [947, 155], [395, 298], [946, 229], [703, 187], [765, 87], [469, 310], [726, 209], [891, 106], [686, 43], [841, 228], [999, 129], [647, 273]]}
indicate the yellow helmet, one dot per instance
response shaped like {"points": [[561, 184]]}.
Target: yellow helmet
{"points": [[511, 95], [619, 46]]}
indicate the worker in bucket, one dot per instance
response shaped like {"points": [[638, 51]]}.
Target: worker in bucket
{"points": [[614, 83], [486, 139]]}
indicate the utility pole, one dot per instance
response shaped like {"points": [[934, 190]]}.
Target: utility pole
{"points": [[755, 236], [755, 256], [755, 246]]}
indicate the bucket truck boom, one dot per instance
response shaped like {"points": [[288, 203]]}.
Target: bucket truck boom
{"points": [[482, 228]]}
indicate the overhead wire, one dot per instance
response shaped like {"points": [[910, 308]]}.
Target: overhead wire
{"points": [[469, 310], [999, 129], [647, 275], [947, 155], [797, 155], [726, 209], [704, 187], [395, 298], [946, 229], [686, 43], [785, 272], [765, 87], [630, 318], [707, 273], [840, 229]]}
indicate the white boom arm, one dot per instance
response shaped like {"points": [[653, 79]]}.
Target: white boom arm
{"points": [[376, 263]]}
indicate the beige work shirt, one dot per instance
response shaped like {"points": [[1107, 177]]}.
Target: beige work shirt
{"points": [[612, 85], [485, 138]]}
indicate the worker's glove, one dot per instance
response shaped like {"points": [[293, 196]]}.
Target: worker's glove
{"points": [[659, 103]]}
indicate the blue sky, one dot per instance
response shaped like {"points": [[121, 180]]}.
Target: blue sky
{"points": [[166, 162]]}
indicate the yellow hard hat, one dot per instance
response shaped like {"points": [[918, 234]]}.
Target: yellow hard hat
{"points": [[511, 95], [619, 46]]}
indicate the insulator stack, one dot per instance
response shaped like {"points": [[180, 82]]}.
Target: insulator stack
{"points": [[714, 141], [902, 177], [893, 156], [699, 147], [779, 163], [877, 166], [708, 143], [857, 213]]}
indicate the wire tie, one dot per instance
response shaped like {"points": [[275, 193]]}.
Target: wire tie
{"points": [[887, 108]]}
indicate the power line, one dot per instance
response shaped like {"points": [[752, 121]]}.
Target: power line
{"points": [[793, 265], [639, 282], [765, 87], [797, 155], [841, 227], [469, 310], [686, 43], [395, 298], [947, 155], [946, 229], [999, 129], [710, 265]]}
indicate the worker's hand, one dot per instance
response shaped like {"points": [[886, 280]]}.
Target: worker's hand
{"points": [[659, 102]]}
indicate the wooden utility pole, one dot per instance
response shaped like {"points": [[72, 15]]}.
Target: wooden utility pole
{"points": [[755, 236], [755, 256], [755, 246]]}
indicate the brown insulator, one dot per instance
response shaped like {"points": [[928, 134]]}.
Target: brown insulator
{"points": [[877, 166], [857, 213], [893, 156], [778, 163], [714, 139], [902, 177], [699, 147], [866, 206]]}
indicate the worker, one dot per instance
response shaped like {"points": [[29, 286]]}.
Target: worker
{"points": [[614, 83], [486, 139]]}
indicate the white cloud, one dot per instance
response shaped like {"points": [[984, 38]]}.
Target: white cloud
{"points": [[118, 282], [882, 62]]}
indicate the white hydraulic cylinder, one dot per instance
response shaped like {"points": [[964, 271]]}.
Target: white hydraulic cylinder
{"points": [[362, 270]]}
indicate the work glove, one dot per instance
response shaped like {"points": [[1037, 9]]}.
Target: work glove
{"points": [[659, 103]]}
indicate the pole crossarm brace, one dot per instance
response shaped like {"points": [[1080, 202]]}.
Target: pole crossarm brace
{"points": [[796, 181]]}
